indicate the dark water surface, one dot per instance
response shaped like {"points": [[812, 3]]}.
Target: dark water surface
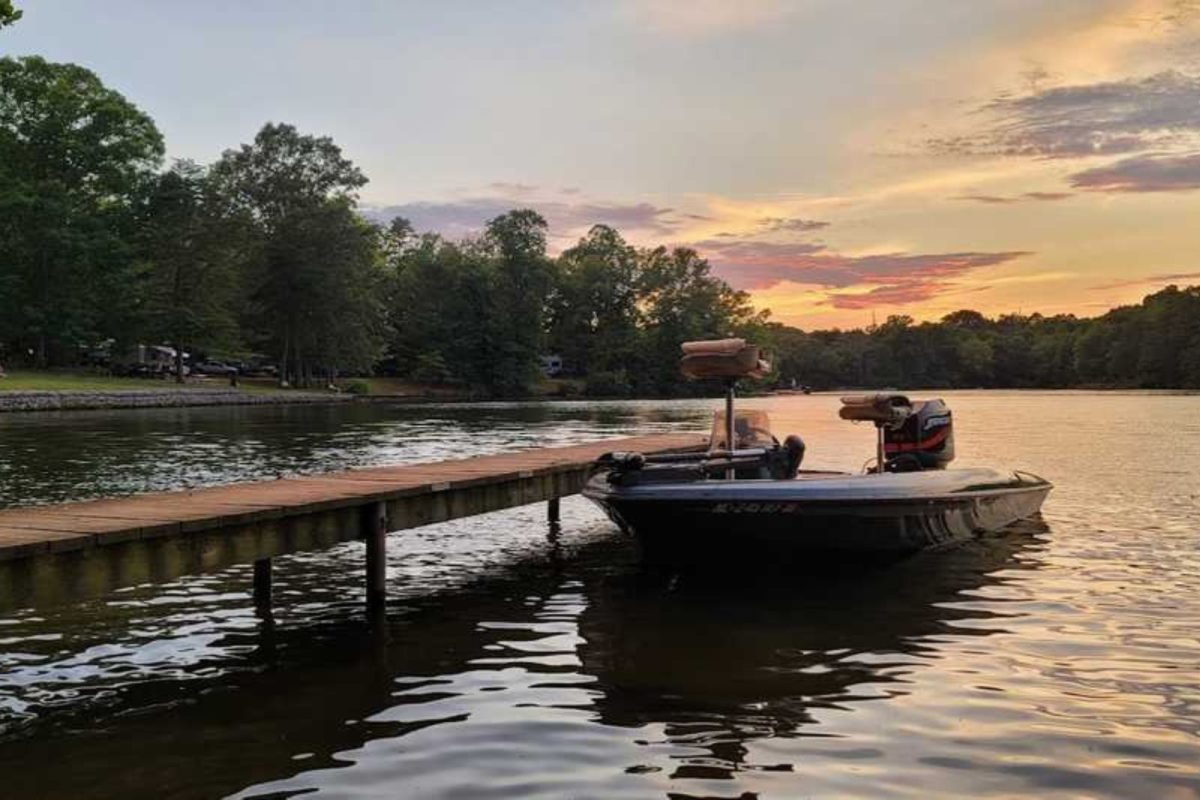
{"points": [[1061, 658]]}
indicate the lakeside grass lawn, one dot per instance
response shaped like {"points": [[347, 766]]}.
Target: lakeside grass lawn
{"points": [[51, 381], [83, 381], [37, 381], [383, 386]]}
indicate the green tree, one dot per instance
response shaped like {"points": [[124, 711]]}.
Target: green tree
{"points": [[283, 171], [314, 270], [190, 247], [975, 355], [320, 293], [514, 316], [683, 301], [8, 13], [436, 313], [75, 157], [594, 315]]}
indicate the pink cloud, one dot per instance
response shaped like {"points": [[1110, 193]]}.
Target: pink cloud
{"points": [[887, 296], [894, 278], [762, 265]]}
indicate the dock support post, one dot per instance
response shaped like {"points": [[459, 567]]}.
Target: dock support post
{"points": [[552, 511], [374, 531], [262, 585]]}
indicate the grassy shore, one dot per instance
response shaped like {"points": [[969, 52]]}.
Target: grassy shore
{"points": [[71, 381], [83, 381], [22, 381]]}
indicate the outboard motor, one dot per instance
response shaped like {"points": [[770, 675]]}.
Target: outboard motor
{"points": [[913, 435], [924, 440]]}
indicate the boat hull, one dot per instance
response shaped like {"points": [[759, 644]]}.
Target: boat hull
{"points": [[868, 515]]}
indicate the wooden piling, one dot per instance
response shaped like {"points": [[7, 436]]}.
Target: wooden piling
{"points": [[262, 585], [374, 531], [552, 510]]}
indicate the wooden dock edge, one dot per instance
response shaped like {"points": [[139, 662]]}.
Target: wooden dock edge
{"points": [[56, 576]]}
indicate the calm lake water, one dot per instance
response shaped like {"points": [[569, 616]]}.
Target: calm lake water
{"points": [[1060, 658]]}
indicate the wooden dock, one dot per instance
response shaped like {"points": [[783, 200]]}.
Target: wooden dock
{"points": [[74, 550]]}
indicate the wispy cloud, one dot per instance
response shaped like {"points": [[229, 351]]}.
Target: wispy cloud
{"points": [[987, 199], [1003, 199], [1149, 173], [791, 225], [1109, 118], [1046, 195], [1150, 279], [883, 296]]}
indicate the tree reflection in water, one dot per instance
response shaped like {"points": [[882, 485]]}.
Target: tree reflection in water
{"points": [[618, 659]]}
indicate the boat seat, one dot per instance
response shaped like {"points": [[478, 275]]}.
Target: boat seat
{"points": [[723, 358], [882, 409]]}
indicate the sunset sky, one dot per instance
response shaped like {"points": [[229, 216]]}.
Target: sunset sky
{"points": [[836, 159]]}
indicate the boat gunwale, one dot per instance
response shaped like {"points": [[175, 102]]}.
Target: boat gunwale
{"points": [[706, 494]]}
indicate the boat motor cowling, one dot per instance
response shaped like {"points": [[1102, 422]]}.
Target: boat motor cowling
{"points": [[923, 440]]}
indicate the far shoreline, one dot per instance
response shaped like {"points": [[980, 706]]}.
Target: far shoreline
{"points": [[49, 400]]}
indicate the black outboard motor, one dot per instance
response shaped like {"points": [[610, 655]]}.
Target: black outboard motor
{"points": [[913, 434], [924, 440]]}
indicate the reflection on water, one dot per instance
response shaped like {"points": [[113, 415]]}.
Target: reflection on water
{"points": [[751, 656], [58, 456], [1057, 658]]}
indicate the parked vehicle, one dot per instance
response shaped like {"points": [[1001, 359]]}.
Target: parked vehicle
{"points": [[149, 361], [214, 368]]}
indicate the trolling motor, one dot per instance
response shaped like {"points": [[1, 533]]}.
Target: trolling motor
{"points": [[913, 435]]}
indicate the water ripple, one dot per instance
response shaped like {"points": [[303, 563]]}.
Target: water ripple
{"points": [[1058, 659]]}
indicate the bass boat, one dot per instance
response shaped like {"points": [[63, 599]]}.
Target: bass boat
{"points": [[752, 497]]}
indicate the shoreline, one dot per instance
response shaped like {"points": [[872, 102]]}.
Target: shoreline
{"points": [[22, 401], [35, 400]]}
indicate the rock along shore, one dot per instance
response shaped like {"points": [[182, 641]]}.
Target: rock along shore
{"points": [[154, 398]]}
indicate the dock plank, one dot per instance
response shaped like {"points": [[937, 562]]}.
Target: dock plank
{"points": [[24, 542], [33, 530]]}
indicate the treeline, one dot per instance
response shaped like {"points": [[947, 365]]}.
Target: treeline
{"points": [[480, 312], [265, 253], [262, 250], [1152, 345]]}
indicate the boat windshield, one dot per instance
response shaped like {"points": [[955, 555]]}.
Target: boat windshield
{"points": [[750, 429]]}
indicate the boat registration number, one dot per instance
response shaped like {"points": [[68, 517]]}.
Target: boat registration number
{"points": [[756, 508]]}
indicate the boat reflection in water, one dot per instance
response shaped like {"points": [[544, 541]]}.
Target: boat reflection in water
{"points": [[582, 674], [719, 663]]}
